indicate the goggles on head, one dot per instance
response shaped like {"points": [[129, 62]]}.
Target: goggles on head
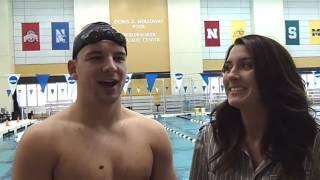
{"points": [[96, 32]]}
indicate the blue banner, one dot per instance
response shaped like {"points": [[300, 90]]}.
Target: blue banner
{"points": [[151, 78], [43, 81], [292, 32], [60, 35], [205, 77]]}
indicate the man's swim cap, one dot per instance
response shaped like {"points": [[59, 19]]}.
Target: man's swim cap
{"points": [[95, 32]]}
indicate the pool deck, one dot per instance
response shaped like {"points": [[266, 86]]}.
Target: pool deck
{"points": [[14, 125]]}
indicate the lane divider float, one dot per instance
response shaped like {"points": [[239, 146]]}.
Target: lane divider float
{"points": [[180, 134]]}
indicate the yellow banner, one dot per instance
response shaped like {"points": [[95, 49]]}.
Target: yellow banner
{"points": [[238, 29], [314, 31], [145, 25]]}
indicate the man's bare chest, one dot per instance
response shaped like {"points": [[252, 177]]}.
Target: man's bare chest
{"points": [[109, 158]]}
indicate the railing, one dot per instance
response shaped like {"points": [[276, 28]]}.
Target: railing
{"points": [[175, 104]]}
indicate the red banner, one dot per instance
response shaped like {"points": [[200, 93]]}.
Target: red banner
{"points": [[30, 37], [212, 33]]}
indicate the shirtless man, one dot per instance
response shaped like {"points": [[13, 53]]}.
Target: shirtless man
{"points": [[96, 138]]}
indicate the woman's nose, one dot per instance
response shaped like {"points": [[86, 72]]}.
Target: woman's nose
{"points": [[234, 73]]}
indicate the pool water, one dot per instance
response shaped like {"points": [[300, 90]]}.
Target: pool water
{"points": [[182, 148], [7, 152]]}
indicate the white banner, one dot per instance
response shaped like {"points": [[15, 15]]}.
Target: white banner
{"points": [[71, 84], [127, 82], [179, 79], [13, 82]]}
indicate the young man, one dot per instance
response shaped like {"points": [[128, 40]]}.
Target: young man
{"points": [[96, 138]]}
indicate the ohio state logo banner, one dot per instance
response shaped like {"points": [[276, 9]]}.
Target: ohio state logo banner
{"points": [[30, 37]]}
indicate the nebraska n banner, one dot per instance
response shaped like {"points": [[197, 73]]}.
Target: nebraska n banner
{"points": [[30, 37], [314, 31], [212, 33]]}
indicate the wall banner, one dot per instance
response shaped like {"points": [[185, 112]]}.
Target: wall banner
{"points": [[30, 37], [292, 32], [212, 33], [314, 26], [60, 35], [238, 29]]}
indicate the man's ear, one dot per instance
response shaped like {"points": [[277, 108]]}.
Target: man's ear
{"points": [[72, 69]]}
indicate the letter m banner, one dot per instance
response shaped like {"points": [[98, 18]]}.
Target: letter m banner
{"points": [[212, 33]]}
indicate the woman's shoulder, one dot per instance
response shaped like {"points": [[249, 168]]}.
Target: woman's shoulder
{"points": [[206, 132], [206, 127], [316, 145], [316, 156]]}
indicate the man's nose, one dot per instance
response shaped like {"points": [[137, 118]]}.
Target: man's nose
{"points": [[109, 64]]}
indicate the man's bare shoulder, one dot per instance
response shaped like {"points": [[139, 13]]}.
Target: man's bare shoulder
{"points": [[159, 141], [38, 149], [144, 121], [46, 129], [151, 128]]}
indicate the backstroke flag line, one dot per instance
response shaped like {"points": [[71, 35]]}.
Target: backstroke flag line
{"points": [[8, 92], [179, 79], [127, 82], [205, 77], [71, 85], [151, 78], [43, 81], [13, 82]]}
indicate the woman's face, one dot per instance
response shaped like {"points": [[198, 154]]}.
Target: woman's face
{"points": [[239, 78]]}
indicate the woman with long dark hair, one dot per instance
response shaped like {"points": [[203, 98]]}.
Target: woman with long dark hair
{"points": [[264, 129]]}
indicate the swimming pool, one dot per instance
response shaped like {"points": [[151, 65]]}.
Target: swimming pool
{"points": [[7, 152], [181, 145], [182, 132]]}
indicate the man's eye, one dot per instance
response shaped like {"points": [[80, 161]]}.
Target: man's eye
{"points": [[119, 58], [95, 57]]}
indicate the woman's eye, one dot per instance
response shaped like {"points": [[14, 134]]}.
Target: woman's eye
{"points": [[247, 66], [227, 68]]}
